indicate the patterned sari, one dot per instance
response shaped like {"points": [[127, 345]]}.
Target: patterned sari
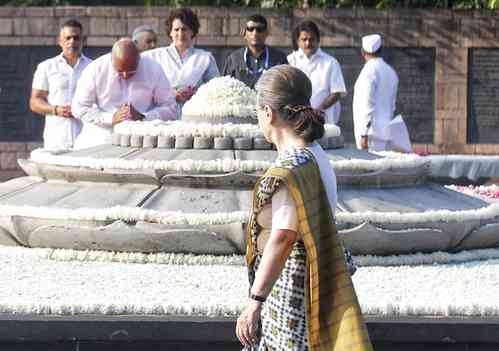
{"points": [[313, 305]]}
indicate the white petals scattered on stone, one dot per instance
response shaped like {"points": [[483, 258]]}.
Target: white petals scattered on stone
{"points": [[220, 97], [466, 289], [32, 284]]}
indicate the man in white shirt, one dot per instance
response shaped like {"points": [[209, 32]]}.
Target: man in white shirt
{"points": [[54, 85], [374, 98], [120, 86], [323, 70]]}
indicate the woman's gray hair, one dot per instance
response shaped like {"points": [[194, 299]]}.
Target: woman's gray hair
{"points": [[287, 90], [283, 85]]}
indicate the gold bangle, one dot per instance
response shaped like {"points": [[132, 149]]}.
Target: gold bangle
{"points": [[54, 110]]}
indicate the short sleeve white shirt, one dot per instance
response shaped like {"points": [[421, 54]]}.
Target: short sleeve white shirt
{"points": [[59, 79], [326, 76]]}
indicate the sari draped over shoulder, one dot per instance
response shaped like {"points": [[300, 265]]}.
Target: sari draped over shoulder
{"points": [[334, 318]]}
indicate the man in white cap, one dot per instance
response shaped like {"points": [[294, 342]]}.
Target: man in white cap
{"points": [[374, 98]]}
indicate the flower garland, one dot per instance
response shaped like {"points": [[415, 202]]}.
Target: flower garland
{"points": [[67, 255], [226, 165], [128, 214], [212, 166], [133, 214], [207, 130]]}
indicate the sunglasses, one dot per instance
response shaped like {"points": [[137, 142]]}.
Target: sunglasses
{"points": [[259, 29]]}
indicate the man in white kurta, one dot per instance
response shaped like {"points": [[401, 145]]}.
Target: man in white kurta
{"points": [[54, 85], [120, 86], [374, 98], [323, 70]]}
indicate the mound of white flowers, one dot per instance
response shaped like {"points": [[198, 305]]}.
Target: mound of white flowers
{"points": [[221, 97]]}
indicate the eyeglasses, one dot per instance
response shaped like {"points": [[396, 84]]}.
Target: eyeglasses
{"points": [[259, 29]]}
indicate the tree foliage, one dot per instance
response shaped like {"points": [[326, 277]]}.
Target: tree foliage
{"points": [[457, 4]]}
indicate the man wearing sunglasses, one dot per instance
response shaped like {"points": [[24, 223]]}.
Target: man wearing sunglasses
{"points": [[54, 85], [247, 64], [120, 86]]}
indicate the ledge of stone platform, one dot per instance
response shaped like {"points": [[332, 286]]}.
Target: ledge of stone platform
{"points": [[194, 329]]}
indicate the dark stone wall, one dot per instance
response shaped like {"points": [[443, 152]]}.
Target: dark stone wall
{"points": [[445, 59]]}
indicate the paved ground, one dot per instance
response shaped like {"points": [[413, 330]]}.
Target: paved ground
{"points": [[158, 346]]}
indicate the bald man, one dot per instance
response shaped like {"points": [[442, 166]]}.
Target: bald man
{"points": [[120, 86]]}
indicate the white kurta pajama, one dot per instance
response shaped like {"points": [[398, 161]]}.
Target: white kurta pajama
{"points": [[101, 92], [59, 79], [196, 67], [374, 100], [326, 76]]}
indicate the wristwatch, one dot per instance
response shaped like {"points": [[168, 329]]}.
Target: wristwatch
{"points": [[257, 297]]}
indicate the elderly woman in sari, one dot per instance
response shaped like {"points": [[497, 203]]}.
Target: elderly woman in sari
{"points": [[300, 285], [185, 67]]}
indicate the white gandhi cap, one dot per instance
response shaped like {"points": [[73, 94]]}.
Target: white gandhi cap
{"points": [[371, 43]]}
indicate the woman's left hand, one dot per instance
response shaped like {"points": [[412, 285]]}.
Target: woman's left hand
{"points": [[247, 324]]}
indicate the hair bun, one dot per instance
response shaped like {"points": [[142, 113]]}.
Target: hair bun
{"points": [[307, 112], [307, 121]]}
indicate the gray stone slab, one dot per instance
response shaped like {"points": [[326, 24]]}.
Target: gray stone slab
{"points": [[417, 198], [483, 237], [17, 184], [349, 154], [179, 154], [469, 167], [368, 239], [236, 180], [199, 200], [120, 236], [73, 174], [102, 151], [259, 155], [60, 194]]}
